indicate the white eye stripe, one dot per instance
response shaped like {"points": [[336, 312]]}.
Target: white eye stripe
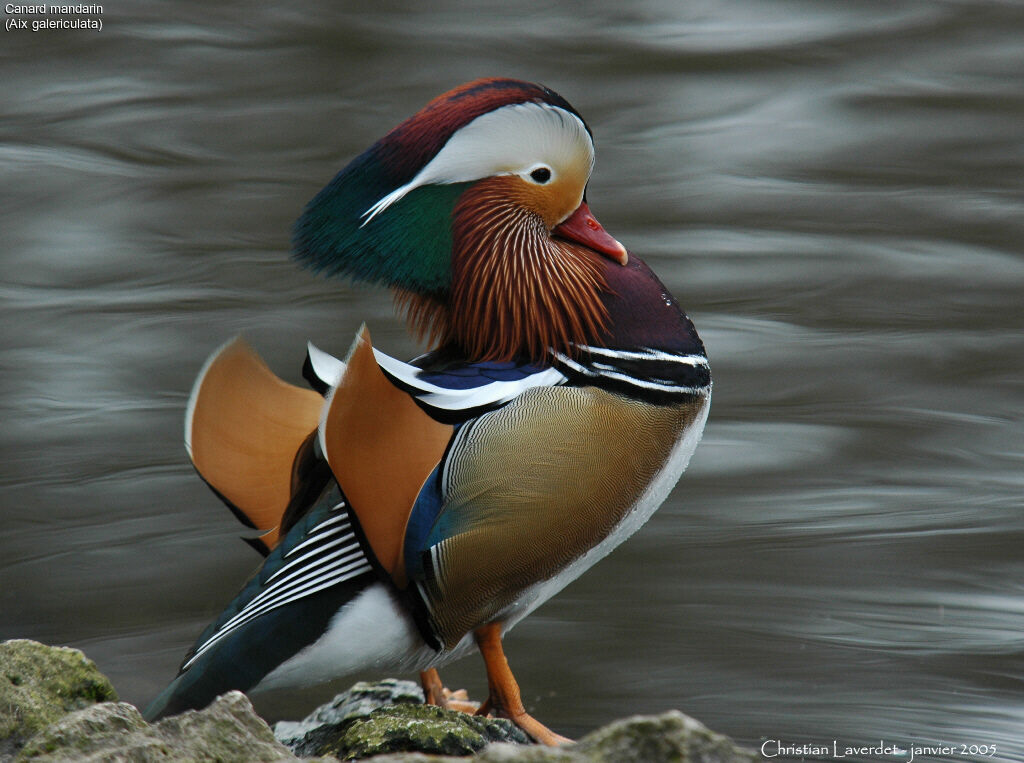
{"points": [[502, 142]]}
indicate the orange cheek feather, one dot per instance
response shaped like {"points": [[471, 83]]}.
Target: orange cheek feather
{"points": [[552, 202]]}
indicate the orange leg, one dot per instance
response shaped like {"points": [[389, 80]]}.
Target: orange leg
{"points": [[433, 689], [435, 693], [504, 700]]}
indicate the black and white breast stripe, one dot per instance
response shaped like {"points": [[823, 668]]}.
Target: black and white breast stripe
{"points": [[324, 371], [657, 376], [441, 398], [643, 372], [329, 555]]}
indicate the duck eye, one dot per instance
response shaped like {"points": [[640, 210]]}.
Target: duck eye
{"points": [[541, 175]]}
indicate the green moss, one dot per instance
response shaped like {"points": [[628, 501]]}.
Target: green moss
{"points": [[419, 728], [43, 684]]}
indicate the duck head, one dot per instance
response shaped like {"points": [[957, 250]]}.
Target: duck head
{"points": [[473, 210]]}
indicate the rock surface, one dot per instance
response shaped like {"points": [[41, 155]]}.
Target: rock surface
{"points": [[82, 732], [389, 716], [39, 685], [668, 738], [228, 730], [388, 719], [56, 706], [422, 728], [358, 702]]}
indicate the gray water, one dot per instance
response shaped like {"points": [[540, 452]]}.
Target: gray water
{"points": [[834, 192]]}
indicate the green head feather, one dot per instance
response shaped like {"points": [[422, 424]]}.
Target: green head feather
{"points": [[408, 245]]}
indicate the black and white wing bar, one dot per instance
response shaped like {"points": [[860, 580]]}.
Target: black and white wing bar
{"points": [[642, 372], [329, 555], [445, 399], [328, 371]]}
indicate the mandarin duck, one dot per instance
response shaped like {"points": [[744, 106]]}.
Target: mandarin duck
{"points": [[412, 511]]}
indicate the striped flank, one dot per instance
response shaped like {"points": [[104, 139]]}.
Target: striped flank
{"points": [[329, 555]]}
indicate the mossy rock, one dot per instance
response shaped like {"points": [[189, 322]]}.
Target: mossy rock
{"points": [[40, 684], [228, 731], [665, 738], [56, 706], [668, 738], [420, 728], [304, 737], [83, 732]]}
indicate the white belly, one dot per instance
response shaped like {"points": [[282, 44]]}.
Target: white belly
{"points": [[370, 632]]}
